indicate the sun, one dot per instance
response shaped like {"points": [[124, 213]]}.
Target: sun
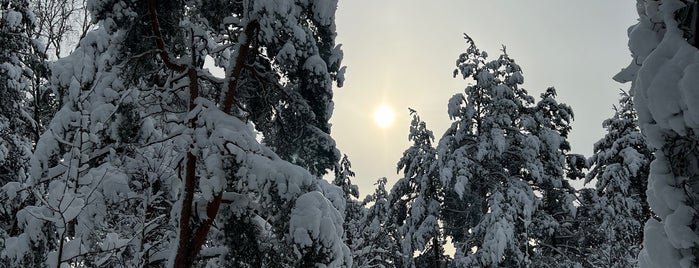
{"points": [[383, 116]]}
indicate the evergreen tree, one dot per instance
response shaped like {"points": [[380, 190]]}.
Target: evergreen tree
{"points": [[380, 243], [343, 179], [549, 121], [503, 166], [482, 160], [285, 88], [354, 211], [620, 165], [588, 235], [87, 173], [149, 152], [20, 64], [16, 61], [15, 80], [59, 26], [419, 194]]}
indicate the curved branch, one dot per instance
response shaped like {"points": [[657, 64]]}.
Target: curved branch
{"points": [[250, 30], [155, 26]]}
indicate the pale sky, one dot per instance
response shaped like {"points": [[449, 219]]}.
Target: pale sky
{"points": [[402, 53]]}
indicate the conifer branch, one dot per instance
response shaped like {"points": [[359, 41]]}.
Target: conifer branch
{"points": [[155, 26], [244, 49]]}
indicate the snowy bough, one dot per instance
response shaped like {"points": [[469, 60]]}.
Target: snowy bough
{"points": [[664, 87], [21, 63], [151, 156]]}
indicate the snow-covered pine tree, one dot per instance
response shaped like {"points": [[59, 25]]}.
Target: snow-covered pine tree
{"points": [[20, 64], [147, 149], [419, 193], [483, 159], [620, 165], [664, 48], [343, 178], [88, 172], [286, 90]]}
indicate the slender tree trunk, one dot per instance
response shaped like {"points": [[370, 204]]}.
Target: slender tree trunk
{"points": [[191, 236], [187, 251], [437, 252]]}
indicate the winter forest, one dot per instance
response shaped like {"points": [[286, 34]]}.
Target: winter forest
{"points": [[120, 147]]}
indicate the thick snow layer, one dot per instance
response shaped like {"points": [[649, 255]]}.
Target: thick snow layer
{"points": [[663, 196], [112, 241], [660, 252], [12, 18], [677, 227], [92, 86], [316, 64], [334, 194], [666, 89], [324, 11], [666, 97], [314, 221]]}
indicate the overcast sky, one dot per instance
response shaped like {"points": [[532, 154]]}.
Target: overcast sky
{"points": [[402, 53]]}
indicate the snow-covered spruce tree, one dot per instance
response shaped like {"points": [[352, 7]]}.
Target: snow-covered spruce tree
{"points": [[20, 64], [418, 194], [147, 149], [354, 210], [343, 178], [484, 159], [501, 149], [588, 235], [664, 87], [380, 244], [548, 123], [620, 165]]}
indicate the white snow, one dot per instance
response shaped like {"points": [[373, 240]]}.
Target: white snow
{"points": [[314, 221], [324, 11], [82, 175], [12, 18], [659, 253], [665, 95], [112, 241]]}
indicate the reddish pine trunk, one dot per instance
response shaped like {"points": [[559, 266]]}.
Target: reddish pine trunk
{"points": [[193, 236]]}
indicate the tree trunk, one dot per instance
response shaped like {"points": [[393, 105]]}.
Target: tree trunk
{"points": [[193, 236], [436, 246]]}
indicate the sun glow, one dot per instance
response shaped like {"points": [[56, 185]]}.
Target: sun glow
{"points": [[383, 116]]}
